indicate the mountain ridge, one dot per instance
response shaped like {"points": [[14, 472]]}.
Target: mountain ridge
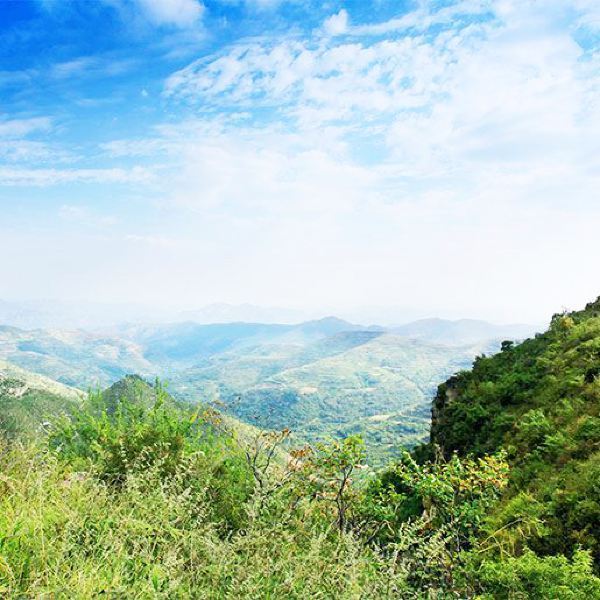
{"points": [[539, 402]]}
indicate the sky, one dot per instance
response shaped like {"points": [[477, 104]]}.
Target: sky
{"points": [[435, 157]]}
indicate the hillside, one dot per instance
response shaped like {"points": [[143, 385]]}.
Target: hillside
{"points": [[186, 344], [324, 378], [136, 391], [73, 357], [28, 400], [158, 500], [540, 402]]}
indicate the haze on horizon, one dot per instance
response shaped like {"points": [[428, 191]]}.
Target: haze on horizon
{"points": [[442, 158]]}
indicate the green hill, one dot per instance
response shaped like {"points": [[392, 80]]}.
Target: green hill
{"points": [[136, 391], [75, 358], [540, 402], [28, 400], [324, 378], [186, 344]]}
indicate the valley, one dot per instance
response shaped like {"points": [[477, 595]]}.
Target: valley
{"points": [[322, 379]]}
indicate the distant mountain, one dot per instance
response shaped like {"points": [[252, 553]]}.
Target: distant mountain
{"points": [[188, 343], [28, 400], [463, 331], [55, 314], [372, 383], [84, 359], [75, 358]]}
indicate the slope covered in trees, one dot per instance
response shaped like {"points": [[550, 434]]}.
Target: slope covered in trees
{"points": [[539, 401]]}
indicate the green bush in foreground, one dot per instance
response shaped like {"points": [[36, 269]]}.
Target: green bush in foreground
{"points": [[155, 502]]}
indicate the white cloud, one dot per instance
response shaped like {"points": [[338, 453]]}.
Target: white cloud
{"points": [[91, 65], [426, 16], [18, 128], [179, 13], [29, 151], [448, 157], [84, 215], [336, 24], [46, 177], [160, 241], [260, 5], [499, 92], [465, 139]]}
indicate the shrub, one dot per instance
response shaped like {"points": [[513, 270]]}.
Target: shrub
{"points": [[530, 576]]}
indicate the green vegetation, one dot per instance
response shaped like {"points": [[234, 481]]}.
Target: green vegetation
{"points": [[74, 358], [367, 383], [154, 502], [135, 494], [28, 401], [540, 402]]}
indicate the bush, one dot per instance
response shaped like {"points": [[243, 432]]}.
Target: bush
{"points": [[134, 438], [530, 576]]}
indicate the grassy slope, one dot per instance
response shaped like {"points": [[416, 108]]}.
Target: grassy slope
{"points": [[75, 358], [540, 401], [135, 390], [27, 400]]}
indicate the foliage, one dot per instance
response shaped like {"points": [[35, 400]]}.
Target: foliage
{"points": [[429, 515], [540, 402], [118, 438], [325, 475], [529, 576], [65, 534], [321, 379]]}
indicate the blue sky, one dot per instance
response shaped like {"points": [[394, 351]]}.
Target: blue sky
{"points": [[442, 157]]}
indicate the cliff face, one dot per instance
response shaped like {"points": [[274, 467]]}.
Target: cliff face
{"points": [[446, 393], [539, 401]]}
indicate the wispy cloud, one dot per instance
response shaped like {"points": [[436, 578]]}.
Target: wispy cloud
{"points": [[18, 128], [159, 241], [259, 5], [180, 13], [30, 151], [48, 177], [336, 24], [502, 90], [340, 158], [91, 66]]}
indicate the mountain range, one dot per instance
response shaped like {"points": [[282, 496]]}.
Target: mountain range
{"points": [[322, 378]]}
